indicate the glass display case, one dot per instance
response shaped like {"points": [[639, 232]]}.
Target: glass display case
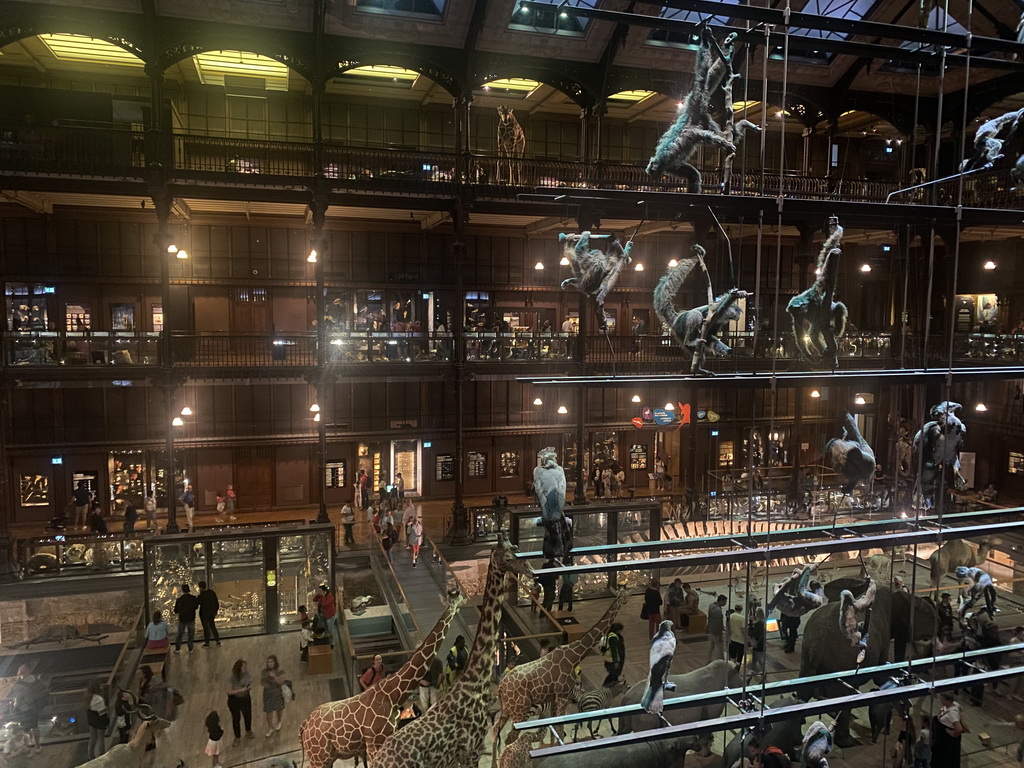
{"points": [[261, 575]]}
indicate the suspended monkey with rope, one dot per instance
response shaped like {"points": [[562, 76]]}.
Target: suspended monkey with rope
{"points": [[818, 320], [694, 124], [595, 272], [696, 330]]}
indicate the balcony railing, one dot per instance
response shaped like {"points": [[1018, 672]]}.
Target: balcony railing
{"points": [[230, 350], [120, 153], [81, 348]]}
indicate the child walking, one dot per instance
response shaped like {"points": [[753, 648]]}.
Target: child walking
{"points": [[216, 733], [305, 638], [220, 507]]}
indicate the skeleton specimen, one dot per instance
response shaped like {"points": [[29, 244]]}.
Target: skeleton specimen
{"points": [[818, 320]]}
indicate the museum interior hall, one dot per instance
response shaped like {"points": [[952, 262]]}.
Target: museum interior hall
{"points": [[671, 355]]}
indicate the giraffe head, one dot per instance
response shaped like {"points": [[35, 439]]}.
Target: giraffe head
{"points": [[504, 560]]}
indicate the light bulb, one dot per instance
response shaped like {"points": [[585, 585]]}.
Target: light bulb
{"points": [[317, 417], [865, 267], [177, 422], [314, 408], [172, 248], [186, 411], [981, 407], [639, 267], [312, 256], [669, 407], [182, 254], [672, 263], [538, 401], [990, 265], [815, 393], [562, 409], [565, 261], [539, 265], [636, 398]]}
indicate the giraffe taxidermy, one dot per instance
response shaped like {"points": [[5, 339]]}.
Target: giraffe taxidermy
{"points": [[595, 272], [696, 330], [511, 146], [818, 320], [694, 124]]}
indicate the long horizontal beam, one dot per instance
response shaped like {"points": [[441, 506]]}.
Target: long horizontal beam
{"points": [[781, 19], [766, 716], [759, 554], [787, 534], [783, 379], [769, 689]]}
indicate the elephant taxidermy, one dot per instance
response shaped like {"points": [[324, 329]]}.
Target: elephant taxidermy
{"points": [[850, 455], [937, 444], [693, 124], [696, 330], [595, 272], [818, 320]]}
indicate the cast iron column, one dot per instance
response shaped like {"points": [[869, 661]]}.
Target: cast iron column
{"points": [[162, 200], [8, 559], [318, 211], [459, 533], [580, 494]]}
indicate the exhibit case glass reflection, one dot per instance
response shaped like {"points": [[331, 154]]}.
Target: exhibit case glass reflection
{"points": [[261, 574]]}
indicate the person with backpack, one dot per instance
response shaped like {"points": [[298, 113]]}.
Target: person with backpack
{"points": [[30, 695], [613, 649], [373, 674]]}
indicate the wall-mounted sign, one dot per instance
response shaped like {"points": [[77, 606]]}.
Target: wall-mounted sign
{"points": [[662, 417], [335, 474], [638, 457], [444, 467], [638, 422], [476, 463], [647, 415]]}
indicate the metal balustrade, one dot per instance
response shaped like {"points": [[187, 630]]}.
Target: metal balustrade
{"points": [[72, 150]]}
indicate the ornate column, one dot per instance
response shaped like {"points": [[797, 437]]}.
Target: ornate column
{"points": [[156, 156]]}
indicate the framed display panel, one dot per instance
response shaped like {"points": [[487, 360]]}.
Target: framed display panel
{"points": [[35, 490], [122, 317], [509, 461], [335, 474], [476, 464], [444, 467], [261, 575], [71, 555], [638, 458], [405, 458]]}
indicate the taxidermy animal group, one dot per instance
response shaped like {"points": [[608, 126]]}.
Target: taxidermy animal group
{"points": [[549, 488], [696, 330], [857, 631], [693, 124], [799, 594], [990, 139], [850, 455], [819, 320], [595, 272]]}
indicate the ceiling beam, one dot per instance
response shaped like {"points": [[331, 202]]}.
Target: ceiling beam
{"points": [[181, 209], [35, 203], [546, 224], [433, 219]]}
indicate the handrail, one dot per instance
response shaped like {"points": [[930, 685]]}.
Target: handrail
{"points": [[132, 636]]}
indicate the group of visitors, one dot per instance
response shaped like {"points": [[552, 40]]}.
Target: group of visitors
{"points": [[186, 606], [387, 530]]}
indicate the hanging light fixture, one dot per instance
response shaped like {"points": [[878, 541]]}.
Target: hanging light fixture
{"points": [[172, 248], [564, 262], [990, 265], [815, 393], [672, 263], [312, 256], [636, 398], [639, 267], [316, 417], [314, 408], [669, 407], [859, 400], [186, 411], [562, 409], [538, 401], [178, 422], [181, 254], [865, 267], [981, 407], [539, 265]]}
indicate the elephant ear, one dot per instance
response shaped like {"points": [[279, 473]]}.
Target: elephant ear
{"points": [[835, 587]]}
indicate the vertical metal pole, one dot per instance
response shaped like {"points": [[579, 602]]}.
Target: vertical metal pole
{"points": [[324, 380], [460, 532], [580, 495]]}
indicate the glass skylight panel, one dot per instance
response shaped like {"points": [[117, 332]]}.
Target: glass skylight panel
{"points": [[683, 39], [428, 9], [837, 9], [89, 49], [213, 66], [550, 19]]}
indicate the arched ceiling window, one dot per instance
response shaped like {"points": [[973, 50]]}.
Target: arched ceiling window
{"points": [[549, 20], [90, 50], [240, 68]]}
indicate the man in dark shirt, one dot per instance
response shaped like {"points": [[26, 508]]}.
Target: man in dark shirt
{"points": [[945, 609], [81, 505], [209, 605], [548, 582], [614, 652], [185, 606]]}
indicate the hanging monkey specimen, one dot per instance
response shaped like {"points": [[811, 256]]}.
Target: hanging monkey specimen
{"points": [[693, 124], [819, 320], [937, 444], [696, 330], [850, 455], [595, 272]]}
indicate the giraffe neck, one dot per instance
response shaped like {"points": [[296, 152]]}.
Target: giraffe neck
{"points": [[575, 651], [396, 686], [481, 658]]}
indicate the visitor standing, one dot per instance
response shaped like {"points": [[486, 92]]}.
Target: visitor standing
{"points": [[416, 541], [240, 700], [548, 582], [399, 486], [273, 681], [652, 607], [790, 626], [373, 674], [613, 649], [124, 706], [221, 506], [215, 734], [430, 685], [329, 609], [209, 607], [97, 717], [30, 695], [923, 744], [188, 503], [157, 632], [305, 638], [364, 489], [232, 503], [131, 516], [81, 496], [565, 591], [185, 606], [947, 731], [716, 628], [348, 520], [737, 632], [756, 640], [946, 610], [408, 519], [150, 506], [458, 656], [388, 540]]}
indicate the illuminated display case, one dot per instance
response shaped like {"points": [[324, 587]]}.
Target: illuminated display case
{"points": [[261, 575]]}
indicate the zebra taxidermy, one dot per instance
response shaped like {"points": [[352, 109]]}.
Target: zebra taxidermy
{"points": [[511, 146], [595, 272], [696, 330], [818, 320], [693, 124]]}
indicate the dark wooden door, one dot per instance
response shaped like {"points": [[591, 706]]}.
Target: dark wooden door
{"points": [[251, 337], [254, 478]]}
